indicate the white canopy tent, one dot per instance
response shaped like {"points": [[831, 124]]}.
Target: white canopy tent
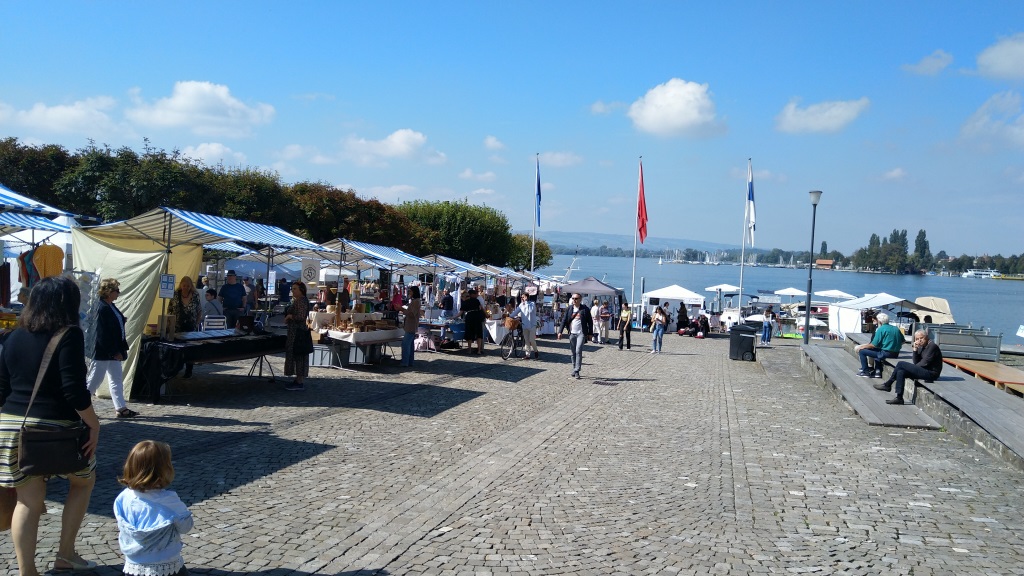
{"points": [[846, 318]]}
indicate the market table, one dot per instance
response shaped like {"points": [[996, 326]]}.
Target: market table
{"points": [[359, 347], [160, 360]]}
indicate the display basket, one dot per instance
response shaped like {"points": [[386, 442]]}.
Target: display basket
{"points": [[511, 323]]}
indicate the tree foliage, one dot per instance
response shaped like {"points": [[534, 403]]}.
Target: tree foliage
{"points": [[523, 248], [477, 234]]}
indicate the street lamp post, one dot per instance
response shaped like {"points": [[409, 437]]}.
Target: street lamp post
{"points": [[815, 198]]}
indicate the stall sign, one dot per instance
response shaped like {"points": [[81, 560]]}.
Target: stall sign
{"points": [[310, 270], [167, 285], [272, 283]]}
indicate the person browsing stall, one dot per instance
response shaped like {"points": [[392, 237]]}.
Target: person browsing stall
{"points": [[410, 325], [187, 311], [232, 296], [111, 348]]}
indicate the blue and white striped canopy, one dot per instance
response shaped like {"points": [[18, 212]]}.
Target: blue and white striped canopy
{"points": [[388, 257], [15, 222], [13, 203], [174, 227], [459, 266]]}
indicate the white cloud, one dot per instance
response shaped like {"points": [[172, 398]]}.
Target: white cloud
{"points": [[600, 108], [89, 116], [1004, 59], [492, 143], [931, 64], [676, 108], [213, 153], [823, 117], [400, 144], [483, 192], [998, 118], [895, 174], [468, 174], [204, 108], [560, 159]]}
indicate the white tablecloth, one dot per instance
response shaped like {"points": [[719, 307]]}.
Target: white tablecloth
{"points": [[372, 337], [497, 330], [321, 320]]}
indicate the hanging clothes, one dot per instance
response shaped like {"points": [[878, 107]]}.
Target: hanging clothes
{"points": [[27, 273], [48, 260]]}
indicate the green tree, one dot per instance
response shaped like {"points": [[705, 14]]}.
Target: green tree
{"points": [[923, 251], [33, 171], [477, 234], [824, 249], [522, 246]]}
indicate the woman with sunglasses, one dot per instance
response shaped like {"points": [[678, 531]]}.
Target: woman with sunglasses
{"points": [[111, 348]]}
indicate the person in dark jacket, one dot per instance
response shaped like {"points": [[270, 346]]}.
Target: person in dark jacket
{"points": [[926, 365], [111, 348], [62, 400], [580, 324]]}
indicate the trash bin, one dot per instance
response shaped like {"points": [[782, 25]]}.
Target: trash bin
{"points": [[741, 342]]}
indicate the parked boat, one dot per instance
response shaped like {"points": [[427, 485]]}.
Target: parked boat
{"points": [[978, 273]]}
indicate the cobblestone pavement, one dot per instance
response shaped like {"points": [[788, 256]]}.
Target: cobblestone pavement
{"points": [[678, 463]]}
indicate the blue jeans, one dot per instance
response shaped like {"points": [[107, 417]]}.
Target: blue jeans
{"points": [[659, 335], [408, 346], [766, 333], [576, 349], [874, 353]]}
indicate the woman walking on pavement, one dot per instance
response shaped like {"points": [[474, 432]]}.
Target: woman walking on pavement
{"points": [[658, 329], [625, 324]]}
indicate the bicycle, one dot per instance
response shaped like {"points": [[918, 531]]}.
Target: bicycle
{"points": [[513, 344]]}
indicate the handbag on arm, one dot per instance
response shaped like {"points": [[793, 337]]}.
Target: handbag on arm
{"points": [[45, 451]]}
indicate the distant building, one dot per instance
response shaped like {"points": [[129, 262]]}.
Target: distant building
{"points": [[822, 264]]}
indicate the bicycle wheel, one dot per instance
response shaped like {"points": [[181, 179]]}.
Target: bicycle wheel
{"points": [[508, 346]]}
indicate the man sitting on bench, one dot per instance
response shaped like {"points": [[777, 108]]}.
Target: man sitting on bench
{"points": [[886, 343], [927, 366]]}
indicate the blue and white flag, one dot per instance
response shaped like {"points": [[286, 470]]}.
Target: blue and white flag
{"points": [[750, 202], [538, 191]]}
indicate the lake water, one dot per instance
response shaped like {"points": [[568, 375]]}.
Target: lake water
{"points": [[994, 304]]}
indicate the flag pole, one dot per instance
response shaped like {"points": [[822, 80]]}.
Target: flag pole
{"points": [[640, 230], [536, 221], [747, 225]]}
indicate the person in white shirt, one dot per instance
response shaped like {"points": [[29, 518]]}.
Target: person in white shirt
{"points": [[527, 314], [595, 310], [578, 322]]}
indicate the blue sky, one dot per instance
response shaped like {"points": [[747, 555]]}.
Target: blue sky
{"points": [[906, 114]]}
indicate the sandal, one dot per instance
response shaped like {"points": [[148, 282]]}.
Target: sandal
{"points": [[74, 566], [125, 413]]}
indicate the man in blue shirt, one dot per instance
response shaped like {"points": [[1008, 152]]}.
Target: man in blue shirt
{"points": [[232, 295]]}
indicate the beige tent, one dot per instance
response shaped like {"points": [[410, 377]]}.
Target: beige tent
{"points": [[161, 241]]}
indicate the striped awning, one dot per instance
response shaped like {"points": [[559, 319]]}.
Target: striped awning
{"points": [[13, 203], [386, 256], [174, 227], [458, 266], [14, 222]]}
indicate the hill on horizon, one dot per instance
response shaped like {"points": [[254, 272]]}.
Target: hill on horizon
{"points": [[622, 241]]}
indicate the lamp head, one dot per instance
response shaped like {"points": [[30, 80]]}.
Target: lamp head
{"points": [[815, 197]]}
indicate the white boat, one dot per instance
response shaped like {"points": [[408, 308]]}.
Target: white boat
{"points": [[978, 273]]}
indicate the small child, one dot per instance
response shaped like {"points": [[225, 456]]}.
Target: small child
{"points": [[150, 518]]}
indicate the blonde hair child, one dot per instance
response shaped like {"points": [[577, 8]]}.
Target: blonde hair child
{"points": [[151, 518]]}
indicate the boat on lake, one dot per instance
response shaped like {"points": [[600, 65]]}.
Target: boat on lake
{"points": [[978, 273]]}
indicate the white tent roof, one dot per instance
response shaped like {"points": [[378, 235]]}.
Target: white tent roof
{"points": [[880, 300], [675, 292]]}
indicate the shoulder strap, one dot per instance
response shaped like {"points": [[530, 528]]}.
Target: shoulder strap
{"points": [[47, 356]]}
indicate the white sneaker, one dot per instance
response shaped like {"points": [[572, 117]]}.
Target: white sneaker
{"points": [[653, 351]]}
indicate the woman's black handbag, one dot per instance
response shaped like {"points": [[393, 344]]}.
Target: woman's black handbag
{"points": [[45, 451]]}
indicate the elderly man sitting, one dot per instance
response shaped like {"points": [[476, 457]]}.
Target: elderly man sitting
{"points": [[926, 365], [886, 344]]}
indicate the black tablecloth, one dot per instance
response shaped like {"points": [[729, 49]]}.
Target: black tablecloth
{"points": [[159, 361]]}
